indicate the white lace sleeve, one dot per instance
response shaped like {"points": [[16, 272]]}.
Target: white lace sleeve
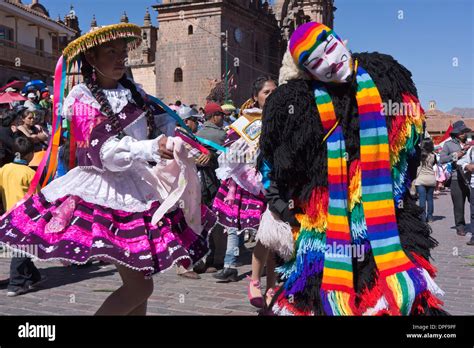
{"points": [[120, 155]]}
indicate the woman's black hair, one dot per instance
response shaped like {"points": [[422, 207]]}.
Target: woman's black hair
{"points": [[97, 92], [23, 146], [427, 147], [259, 83], [9, 117]]}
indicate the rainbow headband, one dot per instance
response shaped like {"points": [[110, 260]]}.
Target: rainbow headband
{"points": [[306, 38]]}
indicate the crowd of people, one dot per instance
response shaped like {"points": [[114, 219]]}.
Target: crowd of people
{"points": [[450, 166], [30, 118], [308, 165], [24, 132]]}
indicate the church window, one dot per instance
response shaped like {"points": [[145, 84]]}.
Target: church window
{"points": [[178, 75]]}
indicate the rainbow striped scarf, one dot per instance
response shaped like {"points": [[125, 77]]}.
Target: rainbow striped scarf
{"points": [[397, 274]]}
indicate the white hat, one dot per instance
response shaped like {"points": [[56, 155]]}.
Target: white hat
{"points": [[31, 95], [186, 112]]}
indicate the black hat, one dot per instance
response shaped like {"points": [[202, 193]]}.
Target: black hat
{"points": [[460, 127]]}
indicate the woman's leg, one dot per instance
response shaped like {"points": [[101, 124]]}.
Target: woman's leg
{"points": [[422, 199], [232, 250], [271, 276], [140, 310], [429, 200], [131, 297], [259, 257]]}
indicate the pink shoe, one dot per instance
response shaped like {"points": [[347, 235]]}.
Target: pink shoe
{"points": [[258, 300]]}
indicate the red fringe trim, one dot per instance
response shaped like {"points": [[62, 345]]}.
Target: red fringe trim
{"points": [[397, 123], [353, 168], [318, 203], [369, 297], [424, 263], [431, 300], [407, 97], [283, 302], [392, 303]]}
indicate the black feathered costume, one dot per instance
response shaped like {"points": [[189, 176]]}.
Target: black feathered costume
{"points": [[292, 143]]}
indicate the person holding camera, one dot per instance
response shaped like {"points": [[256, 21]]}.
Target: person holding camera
{"points": [[466, 164], [454, 149]]}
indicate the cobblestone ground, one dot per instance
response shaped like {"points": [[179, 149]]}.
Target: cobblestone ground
{"points": [[80, 291]]}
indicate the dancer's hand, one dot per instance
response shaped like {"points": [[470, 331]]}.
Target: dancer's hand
{"points": [[203, 160], [469, 168], [288, 215], [163, 151]]}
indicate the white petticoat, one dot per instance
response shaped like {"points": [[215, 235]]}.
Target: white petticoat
{"points": [[133, 190], [276, 235]]}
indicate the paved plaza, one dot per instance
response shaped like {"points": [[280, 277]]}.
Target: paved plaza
{"points": [[80, 291]]}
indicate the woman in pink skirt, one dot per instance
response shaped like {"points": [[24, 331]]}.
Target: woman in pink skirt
{"points": [[113, 206], [240, 202]]}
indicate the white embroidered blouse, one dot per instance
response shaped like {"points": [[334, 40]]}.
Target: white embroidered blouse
{"points": [[128, 182]]}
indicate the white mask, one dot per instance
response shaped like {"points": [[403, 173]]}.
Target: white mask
{"points": [[331, 61]]}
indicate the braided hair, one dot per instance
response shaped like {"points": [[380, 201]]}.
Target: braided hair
{"points": [[137, 97], [106, 108]]}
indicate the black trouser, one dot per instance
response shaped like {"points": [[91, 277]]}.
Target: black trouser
{"points": [[218, 246], [459, 192], [23, 273], [472, 212]]}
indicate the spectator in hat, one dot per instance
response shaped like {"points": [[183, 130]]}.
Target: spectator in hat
{"points": [[466, 164], [454, 149], [213, 127], [190, 117], [46, 104], [31, 104], [212, 130], [45, 101]]}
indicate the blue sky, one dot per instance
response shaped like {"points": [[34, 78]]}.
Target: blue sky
{"points": [[427, 36]]}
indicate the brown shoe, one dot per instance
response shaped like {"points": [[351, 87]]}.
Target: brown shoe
{"points": [[190, 275], [211, 270], [461, 231]]}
